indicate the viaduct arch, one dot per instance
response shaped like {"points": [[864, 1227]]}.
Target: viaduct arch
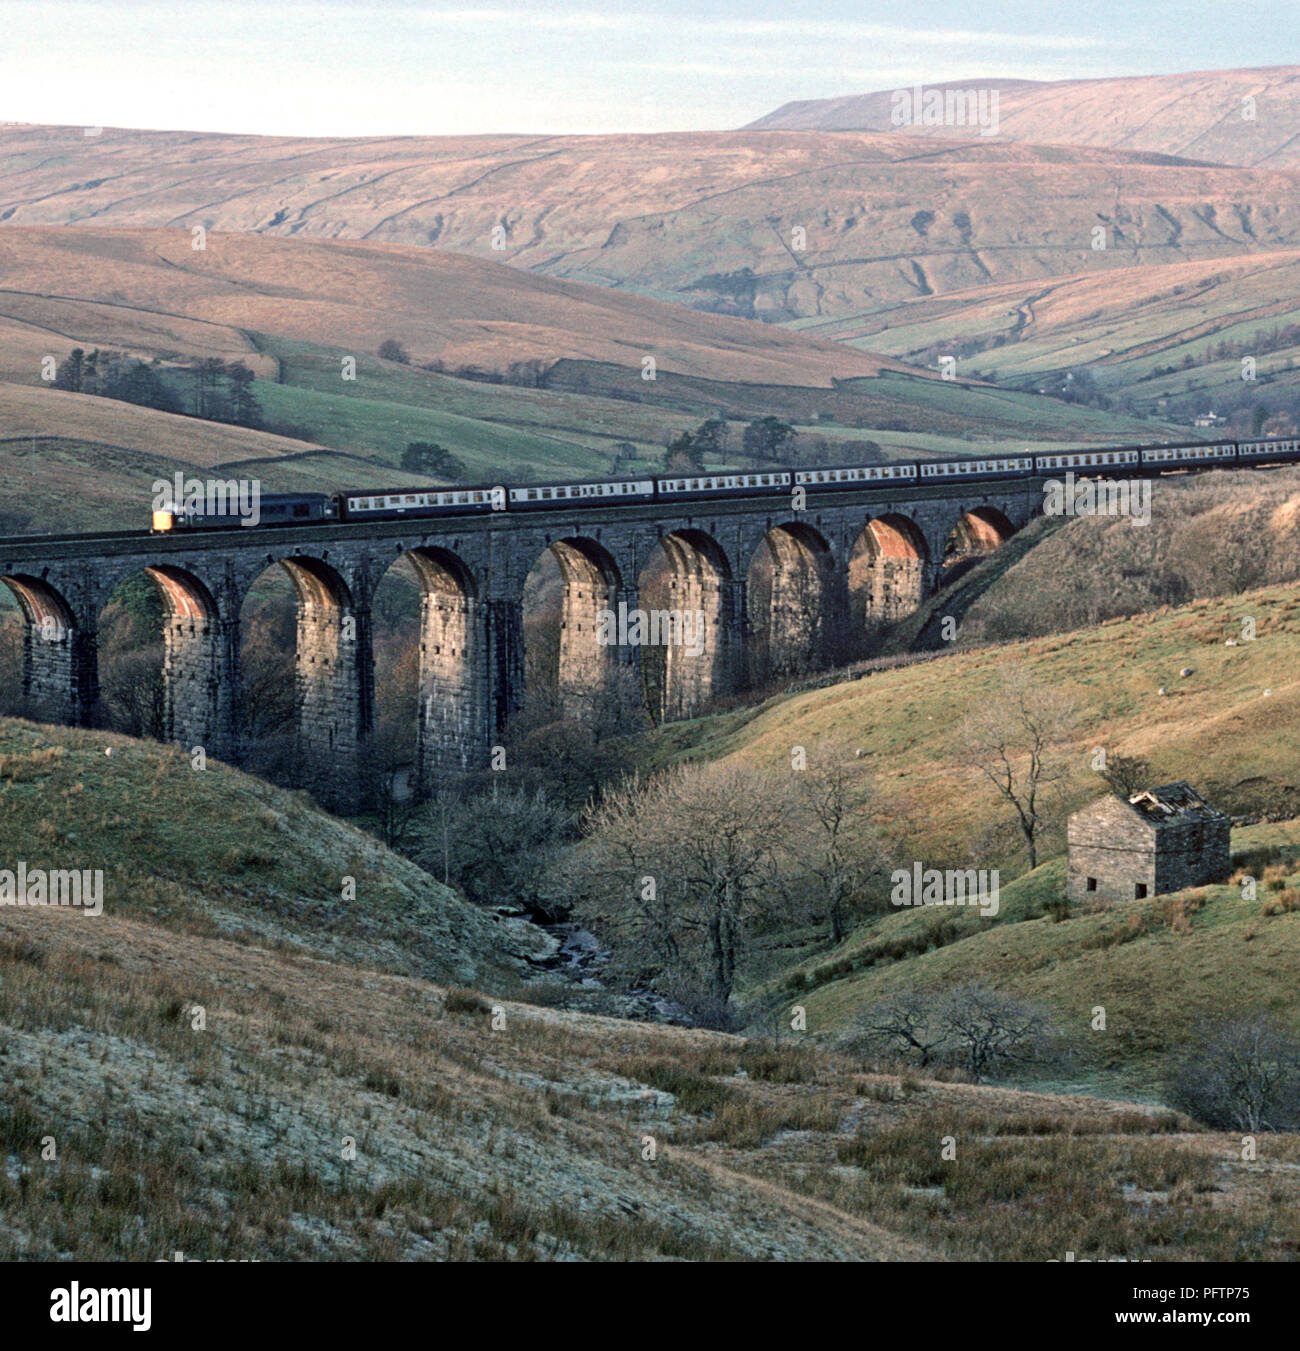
{"points": [[780, 593]]}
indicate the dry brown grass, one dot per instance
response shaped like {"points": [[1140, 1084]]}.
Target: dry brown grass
{"points": [[351, 295], [529, 1138], [1177, 114], [681, 215]]}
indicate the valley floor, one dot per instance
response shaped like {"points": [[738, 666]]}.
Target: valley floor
{"points": [[490, 1129]]}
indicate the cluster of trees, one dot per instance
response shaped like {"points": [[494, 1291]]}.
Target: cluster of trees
{"points": [[114, 375], [220, 391], [687, 452], [764, 441], [680, 872], [1260, 343], [428, 457], [531, 373], [1243, 407], [497, 845]]}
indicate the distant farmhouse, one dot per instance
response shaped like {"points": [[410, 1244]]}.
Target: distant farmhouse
{"points": [[1161, 840]]}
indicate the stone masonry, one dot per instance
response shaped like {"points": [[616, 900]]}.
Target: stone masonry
{"points": [[1155, 842], [472, 570]]}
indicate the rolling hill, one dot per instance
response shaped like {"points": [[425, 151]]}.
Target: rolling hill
{"points": [[705, 218], [237, 1065], [151, 291], [71, 462], [308, 316], [1199, 115], [1156, 337]]}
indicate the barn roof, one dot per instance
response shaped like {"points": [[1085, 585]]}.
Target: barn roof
{"points": [[1173, 803]]}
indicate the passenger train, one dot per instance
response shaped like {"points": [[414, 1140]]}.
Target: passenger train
{"points": [[395, 504]]}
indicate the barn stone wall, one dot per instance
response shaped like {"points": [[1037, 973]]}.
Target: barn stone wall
{"points": [[1114, 850]]}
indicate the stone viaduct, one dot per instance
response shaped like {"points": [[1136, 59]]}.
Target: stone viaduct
{"points": [[781, 592]]}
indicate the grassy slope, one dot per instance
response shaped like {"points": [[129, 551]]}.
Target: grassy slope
{"points": [[1157, 968], [1128, 327], [1195, 114], [478, 1135], [1229, 727], [73, 462], [1232, 728], [216, 852]]}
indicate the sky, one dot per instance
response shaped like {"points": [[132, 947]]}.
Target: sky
{"points": [[351, 68]]}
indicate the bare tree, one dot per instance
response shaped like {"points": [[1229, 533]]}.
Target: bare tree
{"points": [[1240, 1075], [11, 661], [495, 847], [902, 1024], [1011, 739], [682, 867], [841, 851], [969, 1024], [133, 693], [988, 1029]]}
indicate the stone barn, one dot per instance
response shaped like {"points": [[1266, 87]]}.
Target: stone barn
{"points": [[1156, 841]]}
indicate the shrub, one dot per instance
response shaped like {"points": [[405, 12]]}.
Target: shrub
{"points": [[1242, 1074]]}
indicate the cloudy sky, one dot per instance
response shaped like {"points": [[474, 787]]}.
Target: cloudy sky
{"points": [[346, 67]]}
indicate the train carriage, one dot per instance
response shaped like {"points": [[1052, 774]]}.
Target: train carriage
{"points": [[683, 487], [1004, 466], [1273, 450], [394, 504], [611, 492], [1096, 462], [1167, 457], [841, 476]]}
